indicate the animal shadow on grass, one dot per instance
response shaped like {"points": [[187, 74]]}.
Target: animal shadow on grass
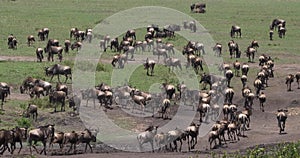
{"points": [[283, 133]]}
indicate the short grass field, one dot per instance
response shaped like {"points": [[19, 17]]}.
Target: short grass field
{"points": [[23, 18]]}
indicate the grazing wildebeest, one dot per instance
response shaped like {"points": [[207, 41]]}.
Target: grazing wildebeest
{"points": [[42, 133], [235, 30], [58, 69], [31, 110], [30, 40], [197, 6], [281, 118], [149, 65], [288, 81], [39, 54], [277, 22], [130, 33], [254, 44], [76, 45]]}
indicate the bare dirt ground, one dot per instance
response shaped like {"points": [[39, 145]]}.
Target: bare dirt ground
{"points": [[263, 127]]}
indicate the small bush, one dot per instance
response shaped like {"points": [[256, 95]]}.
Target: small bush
{"points": [[23, 122]]}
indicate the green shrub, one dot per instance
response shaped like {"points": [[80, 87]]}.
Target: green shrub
{"points": [[23, 122]]}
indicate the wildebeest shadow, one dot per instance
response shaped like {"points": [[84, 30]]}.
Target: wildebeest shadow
{"points": [[282, 133]]}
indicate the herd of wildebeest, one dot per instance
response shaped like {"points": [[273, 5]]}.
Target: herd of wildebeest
{"points": [[236, 118]]}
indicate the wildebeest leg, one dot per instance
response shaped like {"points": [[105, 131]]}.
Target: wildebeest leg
{"points": [[55, 107], [21, 146], [51, 78], [58, 78]]}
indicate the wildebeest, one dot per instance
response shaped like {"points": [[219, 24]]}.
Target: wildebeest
{"points": [[51, 50], [42, 133], [281, 32], [37, 91], [130, 33], [262, 100], [173, 62], [147, 136], [58, 69], [281, 118], [12, 42], [197, 6], [121, 59], [190, 25], [44, 84], [87, 136], [235, 30], [149, 65], [73, 31], [31, 110], [76, 45], [169, 89], [6, 136], [72, 138], [193, 132], [19, 135], [30, 40], [288, 81], [58, 97], [74, 102], [250, 53], [233, 47], [43, 34], [297, 76], [277, 22], [218, 49], [67, 46], [39, 54], [176, 135]]}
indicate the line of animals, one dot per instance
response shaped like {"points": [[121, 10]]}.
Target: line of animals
{"points": [[235, 122], [44, 134]]}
